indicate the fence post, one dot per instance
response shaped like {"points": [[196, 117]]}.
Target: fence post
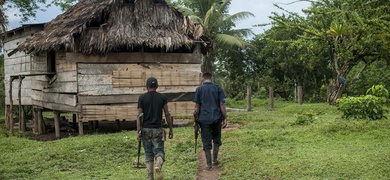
{"points": [[271, 98], [300, 95], [249, 98]]}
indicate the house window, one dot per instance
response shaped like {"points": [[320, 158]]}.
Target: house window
{"points": [[51, 61]]}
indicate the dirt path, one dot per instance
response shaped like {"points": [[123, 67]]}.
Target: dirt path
{"points": [[204, 174]]}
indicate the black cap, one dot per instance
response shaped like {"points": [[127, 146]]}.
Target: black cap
{"points": [[151, 82]]}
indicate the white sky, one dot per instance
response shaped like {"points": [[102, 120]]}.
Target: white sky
{"points": [[260, 8]]}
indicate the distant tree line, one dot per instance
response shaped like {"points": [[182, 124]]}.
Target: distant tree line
{"points": [[341, 44]]}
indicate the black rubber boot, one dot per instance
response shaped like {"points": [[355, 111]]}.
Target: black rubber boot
{"points": [[208, 159], [215, 155]]}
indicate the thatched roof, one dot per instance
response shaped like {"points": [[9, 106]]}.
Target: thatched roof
{"points": [[101, 26]]}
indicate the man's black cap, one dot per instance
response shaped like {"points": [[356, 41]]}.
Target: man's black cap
{"points": [[151, 82]]}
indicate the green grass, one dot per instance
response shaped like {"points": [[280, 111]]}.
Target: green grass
{"points": [[267, 145]]}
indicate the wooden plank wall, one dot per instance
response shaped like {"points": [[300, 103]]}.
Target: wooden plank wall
{"points": [[60, 91], [111, 91], [18, 63], [116, 79], [128, 111], [66, 76], [109, 88]]}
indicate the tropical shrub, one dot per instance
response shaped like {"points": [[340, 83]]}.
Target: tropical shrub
{"points": [[372, 106]]}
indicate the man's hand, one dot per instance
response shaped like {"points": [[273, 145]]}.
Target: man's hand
{"points": [[139, 136], [224, 123], [170, 134]]}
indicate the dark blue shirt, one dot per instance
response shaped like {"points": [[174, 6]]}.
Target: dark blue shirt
{"points": [[209, 96]]}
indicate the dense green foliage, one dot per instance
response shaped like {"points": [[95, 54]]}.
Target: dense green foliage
{"points": [[339, 43], [339, 35], [372, 106], [260, 144]]}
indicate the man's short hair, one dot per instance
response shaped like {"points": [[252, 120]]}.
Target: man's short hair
{"points": [[151, 82], [207, 75]]}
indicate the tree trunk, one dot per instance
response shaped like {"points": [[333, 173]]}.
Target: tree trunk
{"points": [[335, 93], [208, 64]]}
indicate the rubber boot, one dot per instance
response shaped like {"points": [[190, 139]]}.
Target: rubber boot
{"points": [[215, 155], [158, 168], [208, 159], [149, 167]]}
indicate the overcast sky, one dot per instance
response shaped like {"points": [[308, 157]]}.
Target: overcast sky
{"points": [[260, 8]]}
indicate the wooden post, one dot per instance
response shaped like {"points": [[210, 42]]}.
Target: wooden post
{"points": [[11, 118], [35, 120], [74, 121], [22, 123], [57, 123], [8, 115], [81, 129], [40, 120], [271, 98], [300, 95], [249, 98]]}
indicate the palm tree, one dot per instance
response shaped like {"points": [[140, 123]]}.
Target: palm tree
{"points": [[3, 21], [217, 26]]}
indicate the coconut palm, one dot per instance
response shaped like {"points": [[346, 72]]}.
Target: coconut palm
{"points": [[3, 22], [217, 25]]}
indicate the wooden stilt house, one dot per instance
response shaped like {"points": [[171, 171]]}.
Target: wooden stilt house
{"points": [[93, 61]]}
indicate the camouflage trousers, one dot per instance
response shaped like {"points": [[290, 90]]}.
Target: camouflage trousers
{"points": [[153, 144]]}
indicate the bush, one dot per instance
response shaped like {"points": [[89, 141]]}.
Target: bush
{"points": [[304, 118], [372, 106]]}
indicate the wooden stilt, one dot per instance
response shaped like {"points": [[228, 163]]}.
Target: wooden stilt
{"points": [[74, 121], [7, 116], [40, 122], [11, 118], [57, 123], [35, 120], [81, 129], [22, 124]]}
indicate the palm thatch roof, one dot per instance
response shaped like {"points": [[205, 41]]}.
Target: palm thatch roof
{"points": [[102, 26]]}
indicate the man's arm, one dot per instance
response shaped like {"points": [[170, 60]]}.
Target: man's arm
{"points": [[196, 112], [138, 120], [139, 124], [223, 110], [168, 118]]}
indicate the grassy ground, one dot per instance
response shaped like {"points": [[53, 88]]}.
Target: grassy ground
{"points": [[309, 141]]}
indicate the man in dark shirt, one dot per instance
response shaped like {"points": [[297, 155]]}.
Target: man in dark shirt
{"points": [[152, 134], [211, 112]]}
